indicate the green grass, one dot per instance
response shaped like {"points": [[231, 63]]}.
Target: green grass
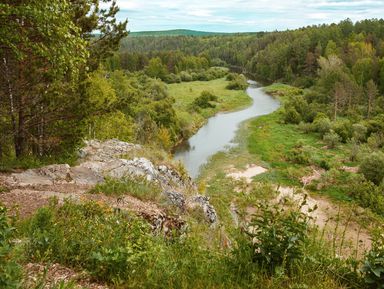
{"points": [[186, 92], [120, 250], [140, 189], [268, 142]]}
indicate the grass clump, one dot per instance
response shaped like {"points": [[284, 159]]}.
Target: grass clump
{"points": [[89, 236], [139, 188], [10, 272]]}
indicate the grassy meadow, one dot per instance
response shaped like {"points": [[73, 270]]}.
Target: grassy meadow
{"points": [[186, 92]]}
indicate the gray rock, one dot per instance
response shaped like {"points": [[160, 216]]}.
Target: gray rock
{"points": [[31, 178], [176, 199], [105, 151], [208, 209], [85, 176]]}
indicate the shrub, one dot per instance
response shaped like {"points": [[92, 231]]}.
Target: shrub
{"points": [[9, 269], [300, 154], [359, 132], [372, 167], [291, 115], [331, 139], [185, 76], [343, 128], [373, 269], [204, 100], [113, 125], [89, 236], [376, 140], [322, 124], [367, 194], [172, 78], [278, 236], [231, 76], [239, 83], [305, 127]]}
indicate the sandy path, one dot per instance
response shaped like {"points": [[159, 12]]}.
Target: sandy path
{"points": [[347, 237]]}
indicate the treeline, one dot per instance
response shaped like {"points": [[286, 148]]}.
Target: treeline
{"points": [[47, 54], [344, 62]]}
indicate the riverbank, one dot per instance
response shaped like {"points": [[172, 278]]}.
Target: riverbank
{"points": [[186, 92], [217, 134], [266, 142]]}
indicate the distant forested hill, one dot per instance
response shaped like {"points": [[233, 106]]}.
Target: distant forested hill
{"points": [[175, 32]]}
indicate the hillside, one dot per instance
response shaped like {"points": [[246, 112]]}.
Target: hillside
{"points": [[144, 160], [175, 32]]}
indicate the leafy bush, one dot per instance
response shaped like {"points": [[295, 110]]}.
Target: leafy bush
{"points": [[300, 105], [9, 269], [331, 139], [376, 140], [300, 154], [372, 167], [185, 76], [112, 125], [305, 127], [367, 194], [359, 132], [238, 83], [172, 78], [89, 236], [322, 124], [205, 100], [278, 236], [343, 128], [373, 269], [291, 115], [231, 76]]}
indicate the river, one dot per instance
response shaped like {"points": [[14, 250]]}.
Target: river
{"points": [[218, 133]]}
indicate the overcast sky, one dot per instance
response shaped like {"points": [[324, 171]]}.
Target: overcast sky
{"points": [[242, 15]]}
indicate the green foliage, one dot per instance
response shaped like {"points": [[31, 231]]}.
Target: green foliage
{"points": [[332, 139], [139, 188], [278, 237], [156, 69], [343, 128], [9, 269], [300, 153], [372, 167], [185, 94], [322, 124], [359, 132], [112, 125], [291, 115], [205, 100], [296, 109], [366, 193], [238, 83], [373, 269], [89, 236]]}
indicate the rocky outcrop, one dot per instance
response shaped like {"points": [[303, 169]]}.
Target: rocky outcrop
{"points": [[101, 160], [208, 209]]}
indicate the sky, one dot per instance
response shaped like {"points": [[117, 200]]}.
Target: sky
{"points": [[242, 15]]}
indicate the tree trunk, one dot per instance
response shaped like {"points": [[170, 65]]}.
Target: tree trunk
{"points": [[21, 143], [11, 99]]}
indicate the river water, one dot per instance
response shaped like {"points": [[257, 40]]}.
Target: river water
{"points": [[220, 130]]}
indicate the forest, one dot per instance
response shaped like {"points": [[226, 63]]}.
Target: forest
{"points": [[71, 74]]}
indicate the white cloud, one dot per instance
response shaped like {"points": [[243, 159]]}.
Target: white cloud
{"points": [[243, 15]]}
